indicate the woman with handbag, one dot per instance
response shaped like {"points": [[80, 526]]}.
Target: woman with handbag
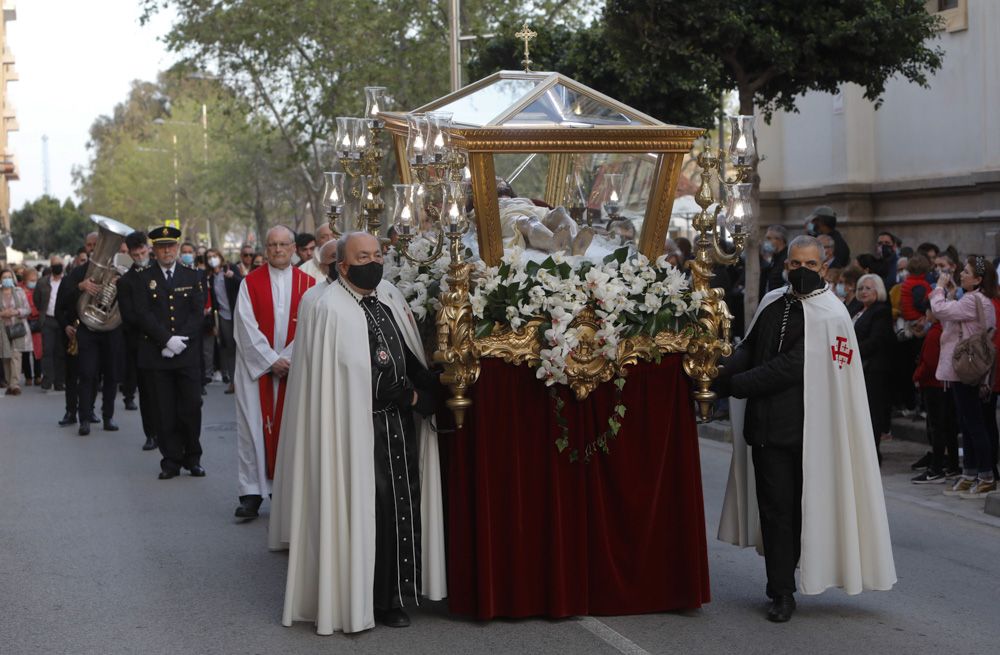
{"points": [[15, 338], [966, 364], [31, 363]]}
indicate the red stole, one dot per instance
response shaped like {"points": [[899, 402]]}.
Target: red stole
{"points": [[259, 289]]}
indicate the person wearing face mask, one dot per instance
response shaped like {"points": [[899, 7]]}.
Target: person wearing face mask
{"points": [[223, 284], [31, 364], [136, 378], [358, 389], [15, 336], [814, 481], [53, 339], [264, 324], [311, 266], [876, 341], [774, 251], [887, 258]]}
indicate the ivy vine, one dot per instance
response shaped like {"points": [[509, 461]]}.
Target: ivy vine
{"points": [[599, 443]]}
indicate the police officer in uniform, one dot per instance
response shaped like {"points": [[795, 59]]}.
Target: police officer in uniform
{"points": [[169, 302], [135, 377]]}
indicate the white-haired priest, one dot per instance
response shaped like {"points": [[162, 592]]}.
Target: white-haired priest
{"points": [[357, 493], [264, 329]]}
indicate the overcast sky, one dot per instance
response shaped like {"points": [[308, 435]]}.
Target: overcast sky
{"points": [[76, 60]]}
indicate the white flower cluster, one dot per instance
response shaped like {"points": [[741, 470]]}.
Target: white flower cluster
{"points": [[420, 285], [627, 296]]}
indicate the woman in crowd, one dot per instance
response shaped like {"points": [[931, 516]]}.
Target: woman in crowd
{"points": [[848, 293], [873, 326], [31, 364], [960, 319], [14, 311], [258, 261]]}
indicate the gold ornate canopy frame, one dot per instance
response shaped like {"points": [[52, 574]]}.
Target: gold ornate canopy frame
{"points": [[460, 351]]}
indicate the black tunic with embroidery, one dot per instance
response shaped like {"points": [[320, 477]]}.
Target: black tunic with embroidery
{"points": [[397, 472]]}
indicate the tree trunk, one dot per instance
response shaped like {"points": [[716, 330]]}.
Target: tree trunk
{"points": [[259, 216]]}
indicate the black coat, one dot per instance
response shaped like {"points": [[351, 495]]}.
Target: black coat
{"points": [[841, 251], [69, 294], [232, 288], [876, 338], [41, 295], [163, 312], [771, 275], [770, 380]]}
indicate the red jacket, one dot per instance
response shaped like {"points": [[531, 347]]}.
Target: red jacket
{"points": [[906, 305], [930, 352]]}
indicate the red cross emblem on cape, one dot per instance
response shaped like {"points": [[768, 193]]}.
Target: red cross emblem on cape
{"points": [[841, 353]]}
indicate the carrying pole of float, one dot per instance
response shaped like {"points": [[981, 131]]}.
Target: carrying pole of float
{"points": [[455, 47]]}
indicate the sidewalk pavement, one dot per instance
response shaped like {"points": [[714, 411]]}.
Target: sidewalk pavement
{"points": [[909, 443]]}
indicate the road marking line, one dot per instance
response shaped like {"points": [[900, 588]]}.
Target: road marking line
{"points": [[611, 636]]}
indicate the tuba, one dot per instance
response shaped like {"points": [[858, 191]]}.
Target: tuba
{"points": [[100, 312]]}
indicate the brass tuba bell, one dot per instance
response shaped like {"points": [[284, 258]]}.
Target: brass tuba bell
{"points": [[100, 312]]}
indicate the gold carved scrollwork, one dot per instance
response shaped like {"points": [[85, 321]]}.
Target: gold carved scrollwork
{"points": [[455, 340], [711, 342], [586, 368]]}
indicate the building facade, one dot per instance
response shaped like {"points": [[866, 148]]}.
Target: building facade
{"points": [[924, 166], [8, 165]]}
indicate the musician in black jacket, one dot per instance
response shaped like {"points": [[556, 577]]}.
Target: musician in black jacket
{"points": [[136, 378], [169, 304]]}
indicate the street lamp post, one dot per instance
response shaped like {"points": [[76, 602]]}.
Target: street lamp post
{"points": [[204, 128]]}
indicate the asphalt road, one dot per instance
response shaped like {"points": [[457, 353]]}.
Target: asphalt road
{"points": [[98, 556]]}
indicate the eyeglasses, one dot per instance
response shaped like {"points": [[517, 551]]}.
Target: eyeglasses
{"points": [[279, 244], [247, 254]]}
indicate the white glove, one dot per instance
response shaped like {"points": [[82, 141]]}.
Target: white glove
{"points": [[177, 344], [167, 352]]}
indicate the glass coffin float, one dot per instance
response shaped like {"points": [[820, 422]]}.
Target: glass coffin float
{"points": [[544, 144]]}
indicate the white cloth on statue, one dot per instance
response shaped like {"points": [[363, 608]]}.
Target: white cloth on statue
{"points": [[324, 486], [845, 530], [254, 358], [311, 267]]}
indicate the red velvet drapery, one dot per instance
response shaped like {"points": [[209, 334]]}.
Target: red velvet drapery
{"points": [[531, 534]]}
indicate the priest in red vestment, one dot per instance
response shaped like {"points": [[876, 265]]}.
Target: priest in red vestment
{"points": [[264, 330]]}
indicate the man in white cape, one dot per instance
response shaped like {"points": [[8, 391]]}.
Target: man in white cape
{"points": [[828, 516], [325, 496]]}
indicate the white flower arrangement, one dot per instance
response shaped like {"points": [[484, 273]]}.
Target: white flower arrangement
{"points": [[629, 294]]}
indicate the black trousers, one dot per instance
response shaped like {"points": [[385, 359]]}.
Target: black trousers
{"points": [[942, 428], [778, 473], [148, 406], [100, 358], [178, 409], [130, 376], [72, 386], [53, 353]]}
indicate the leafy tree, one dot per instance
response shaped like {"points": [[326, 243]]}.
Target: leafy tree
{"points": [[47, 226], [678, 94], [773, 51]]}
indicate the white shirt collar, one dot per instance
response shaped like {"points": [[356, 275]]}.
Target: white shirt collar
{"points": [[170, 268], [279, 271]]}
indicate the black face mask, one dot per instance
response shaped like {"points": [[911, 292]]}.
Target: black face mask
{"points": [[886, 251], [57, 269], [366, 276], [804, 280]]}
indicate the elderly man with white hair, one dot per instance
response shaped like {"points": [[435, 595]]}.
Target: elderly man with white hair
{"points": [[357, 493], [264, 331]]}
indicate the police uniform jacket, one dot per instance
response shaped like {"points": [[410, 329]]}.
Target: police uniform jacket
{"points": [[163, 311]]}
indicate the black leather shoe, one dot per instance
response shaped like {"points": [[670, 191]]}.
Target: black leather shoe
{"points": [[395, 618], [93, 418], [781, 609], [197, 471], [60, 387], [249, 506], [166, 475], [84, 429], [150, 444], [110, 425], [67, 419], [130, 404]]}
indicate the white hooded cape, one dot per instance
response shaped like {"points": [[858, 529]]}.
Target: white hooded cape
{"points": [[845, 531], [324, 485]]}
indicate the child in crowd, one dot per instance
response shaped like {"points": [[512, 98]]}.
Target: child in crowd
{"points": [[942, 431]]}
